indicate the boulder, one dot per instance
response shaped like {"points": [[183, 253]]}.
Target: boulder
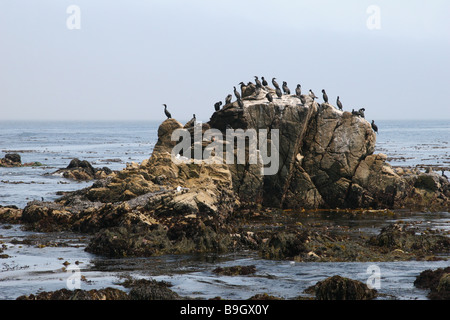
{"points": [[82, 170], [13, 158], [340, 288], [437, 281]]}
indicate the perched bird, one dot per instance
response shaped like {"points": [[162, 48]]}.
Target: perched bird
{"points": [[217, 105], [168, 115], [285, 88], [312, 95], [298, 90], [325, 96], [240, 103], [278, 92], [361, 112], [257, 91], [264, 82], [237, 94], [374, 126], [269, 97], [191, 123], [228, 99], [258, 83], [303, 99], [339, 103], [275, 84], [243, 86]]}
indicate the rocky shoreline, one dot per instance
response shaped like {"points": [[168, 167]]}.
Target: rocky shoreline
{"points": [[327, 162]]}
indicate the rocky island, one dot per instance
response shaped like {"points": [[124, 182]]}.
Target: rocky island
{"points": [[326, 162]]}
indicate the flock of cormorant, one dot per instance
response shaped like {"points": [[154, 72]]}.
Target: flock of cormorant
{"points": [[259, 84]]}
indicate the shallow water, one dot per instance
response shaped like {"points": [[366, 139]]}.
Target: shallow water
{"points": [[55, 144], [30, 268]]}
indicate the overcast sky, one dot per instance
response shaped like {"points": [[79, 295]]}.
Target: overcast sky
{"points": [[131, 56]]}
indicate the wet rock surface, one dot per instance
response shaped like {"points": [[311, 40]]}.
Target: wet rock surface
{"points": [[78, 294], [340, 288], [142, 289], [437, 281], [235, 270], [15, 160], [82, 170]]}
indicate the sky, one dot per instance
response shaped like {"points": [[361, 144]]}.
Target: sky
{"points": [[122, 59]]}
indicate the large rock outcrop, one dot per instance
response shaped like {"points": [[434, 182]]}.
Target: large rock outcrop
{"points": [[326, 160]]}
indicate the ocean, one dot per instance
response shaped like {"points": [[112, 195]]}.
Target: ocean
{"points": [[114, 144]]}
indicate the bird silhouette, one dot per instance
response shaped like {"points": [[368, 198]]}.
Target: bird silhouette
{"points": [[168, 115], [374, 126], [339, 103], [325, 96]]}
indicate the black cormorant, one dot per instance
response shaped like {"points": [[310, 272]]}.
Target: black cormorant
{"points": [[303, 99], [275, 84], [264, 82], [240, 103], [339, 103], [361, 112], [325, 96], [258, 83], [244, 86], [217, 105], [236, 93], [168, 115], [285, 88], [298, 90], [269, 97], [374, 126], [278, 92], [257, 91], [228, 99], [312, 95]]}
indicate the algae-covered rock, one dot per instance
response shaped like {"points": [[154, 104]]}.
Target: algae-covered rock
{"points": [[340, 288]]}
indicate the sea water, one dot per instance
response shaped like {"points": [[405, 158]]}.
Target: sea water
{"points": [[30, 268]]}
